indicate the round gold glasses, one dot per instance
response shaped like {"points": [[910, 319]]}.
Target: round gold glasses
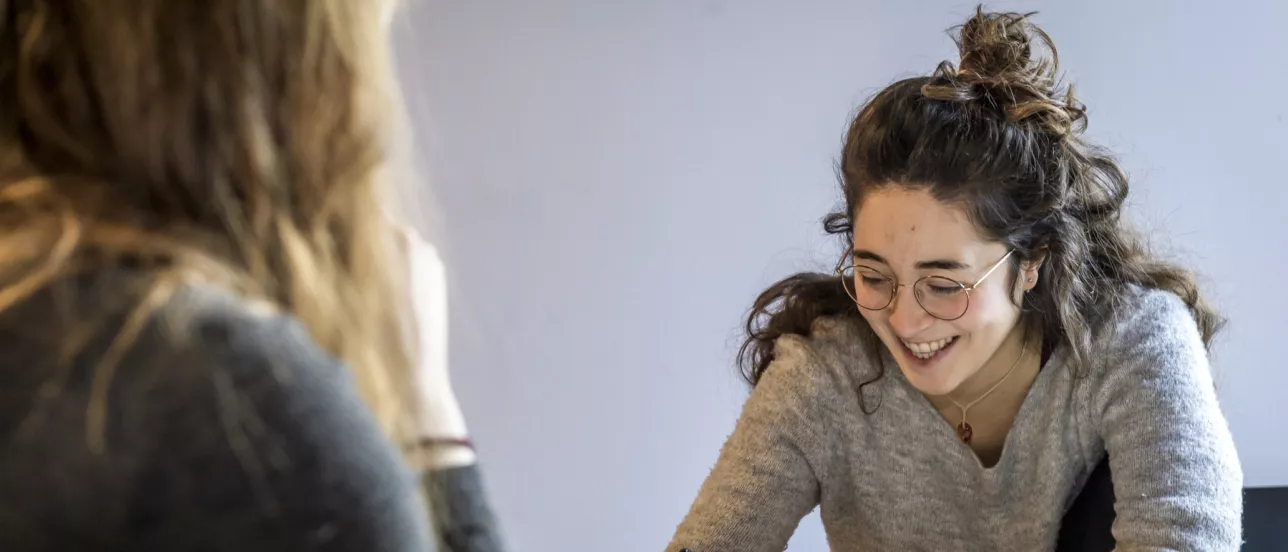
{"points": [[941, 297]]}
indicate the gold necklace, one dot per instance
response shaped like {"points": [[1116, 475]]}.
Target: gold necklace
{"points": [[964, 430]]}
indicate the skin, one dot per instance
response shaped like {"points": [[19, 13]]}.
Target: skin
{"points": [[898, 232]]}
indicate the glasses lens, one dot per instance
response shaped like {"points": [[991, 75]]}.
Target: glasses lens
{"points": [[941, 297], [869, 288]]}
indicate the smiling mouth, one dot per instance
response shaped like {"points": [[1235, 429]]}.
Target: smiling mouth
{"points": [[927, 350]]}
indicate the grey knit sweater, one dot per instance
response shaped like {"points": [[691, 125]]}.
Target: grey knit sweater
{"points": [[898, 478], [225, 431]]}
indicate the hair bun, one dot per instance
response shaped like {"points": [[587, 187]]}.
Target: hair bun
{"points": [[1009, 62], [998, 46]]}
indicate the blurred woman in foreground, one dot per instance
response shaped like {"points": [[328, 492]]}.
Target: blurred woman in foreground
{"points": [[203, 333]]}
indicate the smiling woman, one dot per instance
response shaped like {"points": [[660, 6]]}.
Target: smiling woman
{"points": [[954, 343], [1033, 339]]}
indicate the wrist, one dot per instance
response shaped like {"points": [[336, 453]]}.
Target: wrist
{"points": [[442, 419]]}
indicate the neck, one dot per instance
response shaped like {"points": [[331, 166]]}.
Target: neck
{"points": [[997, 368]]}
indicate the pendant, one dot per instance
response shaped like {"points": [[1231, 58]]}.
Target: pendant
{"points": [[965, 432]]}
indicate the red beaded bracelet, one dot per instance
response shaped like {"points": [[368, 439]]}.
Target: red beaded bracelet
{"points": [[432, 442]]}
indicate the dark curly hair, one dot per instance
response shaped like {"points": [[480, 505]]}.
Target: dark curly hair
{"points": [[1000, 136]]}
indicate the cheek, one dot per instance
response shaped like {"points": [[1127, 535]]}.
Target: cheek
{"points": [[877, 320], [978, 315], [996, 311]]}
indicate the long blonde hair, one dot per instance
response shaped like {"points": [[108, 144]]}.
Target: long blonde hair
{"points": [[240, 142]]}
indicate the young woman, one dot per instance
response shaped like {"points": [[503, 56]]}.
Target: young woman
{"points": [[993, 332], [203, 338]]}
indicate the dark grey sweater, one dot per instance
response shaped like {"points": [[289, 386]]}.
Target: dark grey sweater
{"points": [[230, 432]]}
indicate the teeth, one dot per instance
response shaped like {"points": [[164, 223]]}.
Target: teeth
{"points": [[928, 349]]}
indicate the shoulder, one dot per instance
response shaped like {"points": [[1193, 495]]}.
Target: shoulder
{"points": [[112, 317], [835, 358], [224, 336], [182, 369], [309, 453], [1149, 352], [1138, 302], [192, 340], [209, 365], [1150, 320], [220, 419]]}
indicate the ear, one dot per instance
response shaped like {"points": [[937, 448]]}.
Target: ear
{"points": [[1029, 269]]}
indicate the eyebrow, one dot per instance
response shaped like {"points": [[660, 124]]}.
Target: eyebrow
{"points": [[934, 264]]}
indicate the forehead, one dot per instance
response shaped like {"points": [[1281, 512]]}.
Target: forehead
{"points": [[911, 225]]}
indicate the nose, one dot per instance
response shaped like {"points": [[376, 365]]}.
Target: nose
{"points": [[907, 318]]}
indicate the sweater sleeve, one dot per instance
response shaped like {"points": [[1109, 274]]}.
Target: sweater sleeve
{"points": [[463, 519], [1176, 474], [767, 476]]}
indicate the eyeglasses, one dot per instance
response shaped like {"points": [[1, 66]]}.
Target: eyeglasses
{"points": [[942, 298]]}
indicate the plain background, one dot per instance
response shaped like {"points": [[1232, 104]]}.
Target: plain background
{"points": [[612, 182]]}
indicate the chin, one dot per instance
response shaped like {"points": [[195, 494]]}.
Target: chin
{"points": [[934, 384], [936, 375]]}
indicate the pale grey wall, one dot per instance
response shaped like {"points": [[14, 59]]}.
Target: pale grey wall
{"points": [[618, 179]]}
